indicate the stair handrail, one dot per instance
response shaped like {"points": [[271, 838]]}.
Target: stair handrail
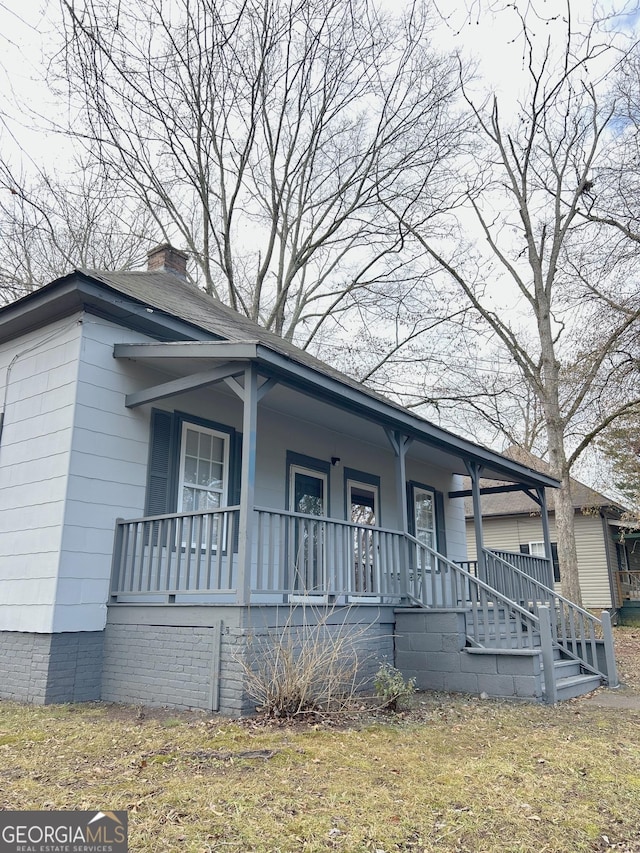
{"points": [[566, 617], [526, 623]]}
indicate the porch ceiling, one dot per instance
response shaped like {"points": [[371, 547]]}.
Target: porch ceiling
{"points": [[307, 394]]}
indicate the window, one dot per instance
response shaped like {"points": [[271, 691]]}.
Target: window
{"points": [[204, 469], [307, 491], [193, 464], [202, 483], [536, 549]]}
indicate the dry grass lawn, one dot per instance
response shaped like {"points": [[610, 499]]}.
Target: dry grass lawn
{"points": [[453, 774]]}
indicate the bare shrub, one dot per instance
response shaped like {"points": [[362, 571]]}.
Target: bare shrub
{"points": [[312, 666]]}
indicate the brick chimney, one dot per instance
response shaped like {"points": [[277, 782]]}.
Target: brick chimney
{"points": [[165, 258]]}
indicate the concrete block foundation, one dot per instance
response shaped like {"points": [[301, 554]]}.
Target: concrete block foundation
{"points": [[430, 646]]}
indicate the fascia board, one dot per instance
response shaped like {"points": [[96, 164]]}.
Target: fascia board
{"points": [[78, 292]]}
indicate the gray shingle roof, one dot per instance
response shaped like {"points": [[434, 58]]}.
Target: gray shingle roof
{"points": [[176, 297]]}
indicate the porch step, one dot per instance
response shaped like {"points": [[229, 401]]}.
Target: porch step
{"points": [[576, 685], [497, 630]]}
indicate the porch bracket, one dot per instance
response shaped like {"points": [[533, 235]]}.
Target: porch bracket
{"points": [[182, 385], [474, 469], [263, 389], [266, 387], [247, 483]]}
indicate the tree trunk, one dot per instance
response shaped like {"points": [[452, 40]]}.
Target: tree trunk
{"points": [[564, 515], [567, 556]]}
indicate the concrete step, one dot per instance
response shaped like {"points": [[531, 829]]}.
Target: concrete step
{"points": [[576, 685], [565, 668]]}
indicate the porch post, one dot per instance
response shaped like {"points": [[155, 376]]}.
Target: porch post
{"points": [[247, 483], [542, 500], [474, 470], [400, 444]]}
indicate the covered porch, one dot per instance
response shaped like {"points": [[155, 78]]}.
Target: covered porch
{"points": [[318, 540]]}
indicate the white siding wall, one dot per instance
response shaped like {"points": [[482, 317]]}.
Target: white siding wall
{"points": [[73, 458], [507, 533], [40, 386], [278, 434], [107, 474]]}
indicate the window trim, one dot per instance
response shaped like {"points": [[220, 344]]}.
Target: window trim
{"points": [[362, 478], [412, 486], [182, 446]]}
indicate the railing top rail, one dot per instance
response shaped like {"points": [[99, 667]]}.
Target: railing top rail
{"points": [[494, 593], [168, 515], [328, 520], [499, 551], [551, 593]]}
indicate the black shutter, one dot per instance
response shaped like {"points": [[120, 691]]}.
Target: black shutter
{"points": [[235, 466], [161, 497], [556, 562], [441, 532]]}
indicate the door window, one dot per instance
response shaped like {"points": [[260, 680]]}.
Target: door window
{"points": [[308, 496], [363, 502], [424, 517]]}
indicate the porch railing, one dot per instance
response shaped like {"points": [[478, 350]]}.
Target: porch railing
{"points": [[307, 555], [193, 556], [538, 568], [185, 554], [493, 619], [578, 633], [628, 583]]}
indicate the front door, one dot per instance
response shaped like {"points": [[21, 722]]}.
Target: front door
{"points": [[362, 500], [308, 499], [426, 575]]}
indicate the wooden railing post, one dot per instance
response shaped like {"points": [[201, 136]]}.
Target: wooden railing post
{"points": [[609, 649], [551, 694], [116, 560]]}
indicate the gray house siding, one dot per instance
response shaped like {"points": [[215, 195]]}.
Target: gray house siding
{"points": [[509, 532]]}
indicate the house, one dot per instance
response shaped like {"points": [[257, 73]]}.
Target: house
{"points": [[608, 553], [177, 482]]}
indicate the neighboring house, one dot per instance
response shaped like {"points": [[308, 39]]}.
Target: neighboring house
{"points": [[607, 560], [180, 487]]}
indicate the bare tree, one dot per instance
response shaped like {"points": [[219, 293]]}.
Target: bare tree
{"points": [[49, 226], [262, 135], [551, 289]]}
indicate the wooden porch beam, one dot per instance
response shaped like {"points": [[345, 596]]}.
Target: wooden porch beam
{"points": [[546, 535], [491, 490], [188, 349], [247, 483], [400, 444], [182, 385], [475, 471]]}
